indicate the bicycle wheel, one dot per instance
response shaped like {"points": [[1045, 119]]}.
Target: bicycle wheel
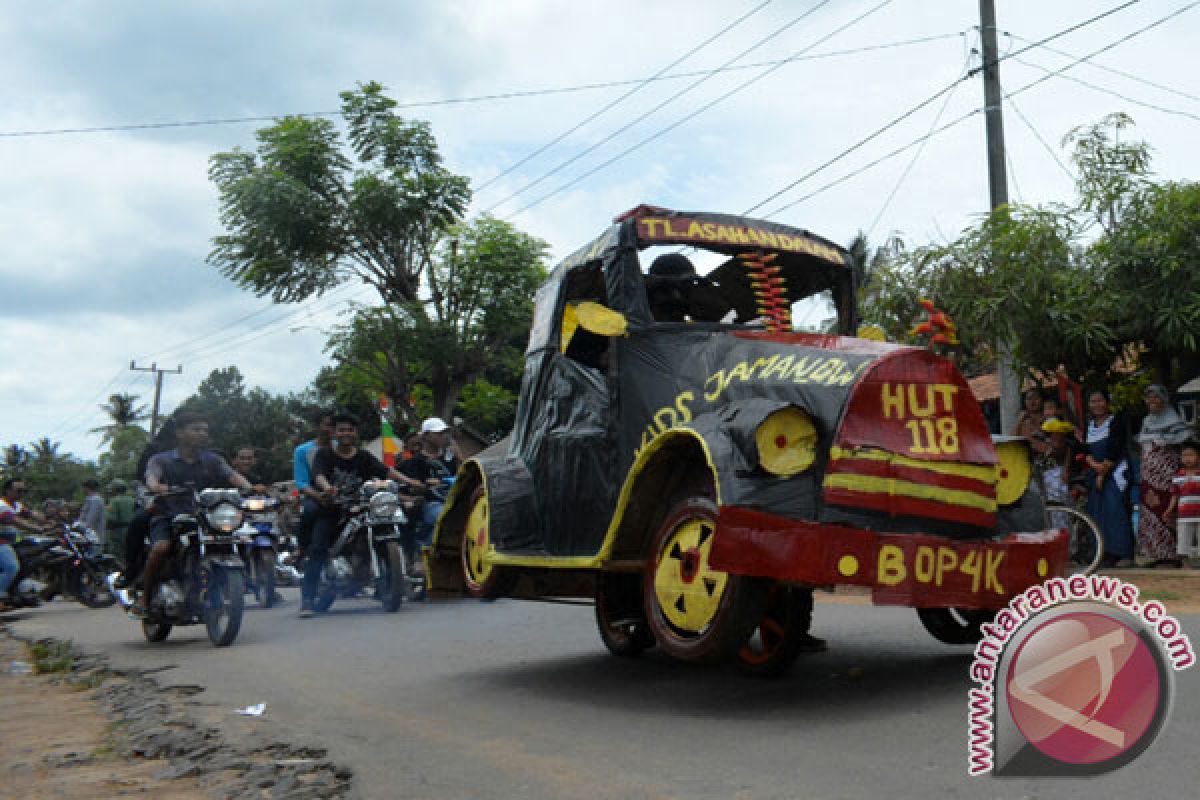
{"points": [[1087, 541]]}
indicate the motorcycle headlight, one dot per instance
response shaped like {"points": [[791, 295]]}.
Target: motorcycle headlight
{"points": [[254, 504], [225, 517], [383, 504], [787, 442]]}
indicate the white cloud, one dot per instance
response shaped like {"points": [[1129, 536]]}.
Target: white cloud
{"points": [[105, 235]]}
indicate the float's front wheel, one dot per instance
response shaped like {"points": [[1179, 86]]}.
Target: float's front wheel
{"points": [[780, 635], [955, 625], [696, 613]]}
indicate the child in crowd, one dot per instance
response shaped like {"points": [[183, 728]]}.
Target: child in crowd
{"points": [[1185, 504]]}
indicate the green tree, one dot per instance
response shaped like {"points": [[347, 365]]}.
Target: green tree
{"points": [[238, 417], [121, 458], [308, 211], [124, 411], [481, 285]]}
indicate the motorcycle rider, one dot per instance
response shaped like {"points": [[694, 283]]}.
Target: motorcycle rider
{"points": [[302, 467], [15, 517], [188, 466], [431, 465], [340, 467]]}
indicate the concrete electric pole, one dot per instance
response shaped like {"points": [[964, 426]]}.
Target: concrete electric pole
{"points": [[1010, 386], [158, 376]]}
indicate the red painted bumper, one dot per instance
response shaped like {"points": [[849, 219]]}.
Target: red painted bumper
{"points": [[919, 570]]}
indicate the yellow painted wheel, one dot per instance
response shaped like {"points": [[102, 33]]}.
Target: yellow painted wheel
{"points": [[688, 590], [694, 611], [480, 576], [787, 442]]}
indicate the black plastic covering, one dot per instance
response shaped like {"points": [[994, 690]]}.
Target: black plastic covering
{"points": [[583, 416]]}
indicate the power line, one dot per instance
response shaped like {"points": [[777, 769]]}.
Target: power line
{"points": [[1114, 70], [917, 155], [1112, 92], [1043, 142], [965, 117], [692, 115], [636, 88], [897, 120], [513, 95], [672, 98]]}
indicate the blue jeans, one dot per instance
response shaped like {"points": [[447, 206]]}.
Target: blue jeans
{"points": [[10, 565], [429, 517], [324, 532], [304, 528]]}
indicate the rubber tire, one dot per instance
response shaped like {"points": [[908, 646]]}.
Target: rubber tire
{"points": [[94, 599], [500, 580], [156, 631], [791, 609], [955, 625], [397, 577], [225, 583], [618, 597], [264, 578], [740, 609]]}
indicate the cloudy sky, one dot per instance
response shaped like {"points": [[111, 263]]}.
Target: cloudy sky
{"points": [[104, 233]]}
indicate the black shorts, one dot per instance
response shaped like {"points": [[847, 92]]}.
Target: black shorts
{"points": [[160, 530]]}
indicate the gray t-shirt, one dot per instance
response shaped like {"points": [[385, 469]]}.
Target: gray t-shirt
{"points": [[91, 513]]}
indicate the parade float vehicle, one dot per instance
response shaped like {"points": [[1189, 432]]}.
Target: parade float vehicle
{"points": [[699, 477]]}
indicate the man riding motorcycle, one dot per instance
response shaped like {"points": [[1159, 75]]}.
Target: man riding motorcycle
{"points": [[343, 467], [15, 517], [432, 465], [188, 466]]}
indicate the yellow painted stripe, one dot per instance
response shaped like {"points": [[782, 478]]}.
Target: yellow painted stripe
{"points": [[918, 491], [979, 473]]}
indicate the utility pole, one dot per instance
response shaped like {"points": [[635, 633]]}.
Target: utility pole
{"points": [[993, 100], [158, 376]]}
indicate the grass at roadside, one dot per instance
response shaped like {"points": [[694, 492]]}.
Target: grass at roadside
{"points": [[50, 657]]}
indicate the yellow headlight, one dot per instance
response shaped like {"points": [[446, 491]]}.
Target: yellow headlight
{"points": [[1013, 472], [787, 442]]}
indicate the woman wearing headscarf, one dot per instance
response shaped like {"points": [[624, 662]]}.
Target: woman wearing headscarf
{"points": [[1162, 430], [1107, 480]]}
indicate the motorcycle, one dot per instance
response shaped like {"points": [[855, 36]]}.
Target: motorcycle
{"points": [[203, 580], [369, 550], [256, 544], [78, 569], [36, 554]]}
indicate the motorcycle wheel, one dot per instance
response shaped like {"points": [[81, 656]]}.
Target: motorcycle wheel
{"points": [[392, 583], [264, 579], [93, 592], [155, 631], [224, 606]]}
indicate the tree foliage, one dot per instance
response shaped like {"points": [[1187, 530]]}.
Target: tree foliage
{"points": [[238, 417], [1083, 285], [308, 211]]}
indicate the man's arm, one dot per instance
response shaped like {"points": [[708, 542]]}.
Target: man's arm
{"points": [[154, 477]]}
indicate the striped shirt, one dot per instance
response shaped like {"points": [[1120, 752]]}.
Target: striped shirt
{"points": [[1186, 487]]}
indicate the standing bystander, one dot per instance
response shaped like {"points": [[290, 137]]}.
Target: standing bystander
{"points": [[1185, 505], [91, 513]]}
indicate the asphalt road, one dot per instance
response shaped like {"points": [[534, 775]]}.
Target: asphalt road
{"points": [[463, 699]]}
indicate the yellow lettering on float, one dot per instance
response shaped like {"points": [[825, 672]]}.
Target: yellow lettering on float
{"points": [[947, 561], [893, 401], [992, 571], [923, 564], [891, 569]]}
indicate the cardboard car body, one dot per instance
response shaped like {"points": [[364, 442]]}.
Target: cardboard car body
{"points": [[829, 459]]}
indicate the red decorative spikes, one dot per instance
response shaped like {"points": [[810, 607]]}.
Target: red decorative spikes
{"points": [[770, 291]]}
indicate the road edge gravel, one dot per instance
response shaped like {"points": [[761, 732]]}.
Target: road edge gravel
{"points": [[152, 720]]}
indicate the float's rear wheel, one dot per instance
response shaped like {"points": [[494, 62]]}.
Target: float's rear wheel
{"points": [[620, 617], [696, 613], [481, 577]]}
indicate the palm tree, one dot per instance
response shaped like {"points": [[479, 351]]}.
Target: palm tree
{"points": [[16, 458], [124, 411], [45, 450]]}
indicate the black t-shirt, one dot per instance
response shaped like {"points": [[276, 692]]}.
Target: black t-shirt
{"points": [[422, 467], [347, 474]]}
